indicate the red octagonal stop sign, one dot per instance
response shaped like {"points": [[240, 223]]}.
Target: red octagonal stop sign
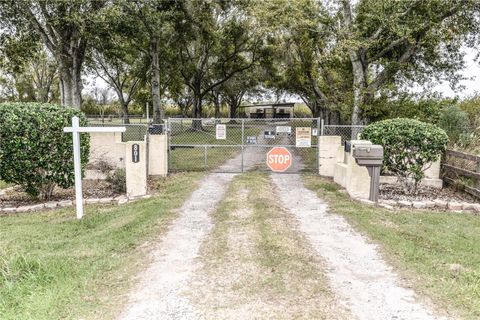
{"points": [[279, 159]]}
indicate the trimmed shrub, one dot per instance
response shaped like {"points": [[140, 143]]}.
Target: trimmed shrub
{"points": [[34, 151], [410, 146]]}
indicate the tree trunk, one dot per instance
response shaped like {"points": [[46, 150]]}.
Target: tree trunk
{"points": [[216, 103], [317, 112], [232, 110], [124, 105], [158, 111], [197, 112], [359, 83], [70, 84]]}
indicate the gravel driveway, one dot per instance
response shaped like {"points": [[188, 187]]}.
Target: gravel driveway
{"points": [[357, 272]]}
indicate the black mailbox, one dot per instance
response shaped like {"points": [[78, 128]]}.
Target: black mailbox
{"points": [[155, 129], [347, 146]]}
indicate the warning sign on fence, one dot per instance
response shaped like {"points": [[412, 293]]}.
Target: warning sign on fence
{"points": [[303, 137], [279, 159], [221, 132]]}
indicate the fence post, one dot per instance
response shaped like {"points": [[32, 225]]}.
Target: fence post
{"points": [[243, 138], [478, 171], [206, 167], [168, 132], [147, 114], [319, 134], [322, 127]]}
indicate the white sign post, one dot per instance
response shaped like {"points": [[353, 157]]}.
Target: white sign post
{"points": [[75, 129]]}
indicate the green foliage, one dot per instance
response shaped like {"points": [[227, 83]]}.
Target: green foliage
{"points": [[409, 147], [405, 105], [118, 181], [91, 106], [34, 151], [455, 122], [470, 141]]}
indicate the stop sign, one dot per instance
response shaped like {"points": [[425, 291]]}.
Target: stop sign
{"points": [[279, 159]]}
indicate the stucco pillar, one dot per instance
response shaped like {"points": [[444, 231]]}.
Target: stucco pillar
{"points": [[136, 168]]}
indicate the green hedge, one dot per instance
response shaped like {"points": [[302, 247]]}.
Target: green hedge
{"points": [[409, 146], [34, 151]]}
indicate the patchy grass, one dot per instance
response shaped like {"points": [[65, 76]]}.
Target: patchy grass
{"points": [[3, 185], [437, 252], [256, 262], [55, 267], [309, 158], [193, 159]]}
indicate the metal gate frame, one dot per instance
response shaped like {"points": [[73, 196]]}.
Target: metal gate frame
{"points": [[239, 123]]}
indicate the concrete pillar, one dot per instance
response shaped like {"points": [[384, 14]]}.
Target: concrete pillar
{"points": [[158, 155], [354, 178], [136, 172], [433, 172], [358, 179], [328, 150]]}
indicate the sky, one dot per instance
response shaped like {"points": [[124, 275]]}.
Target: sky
{"points": [[471, 72]]}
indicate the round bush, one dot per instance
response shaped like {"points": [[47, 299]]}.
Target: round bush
{"points": [[410, 146], [34, 151]]}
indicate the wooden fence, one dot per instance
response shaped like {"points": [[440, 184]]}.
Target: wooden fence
{"points": [[459, 167]]}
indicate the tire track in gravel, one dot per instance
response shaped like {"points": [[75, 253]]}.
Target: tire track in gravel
{"points": [[255, 263], [159, 292], [357, 272]]}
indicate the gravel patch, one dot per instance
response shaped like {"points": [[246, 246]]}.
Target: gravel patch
{"points": [[369, 287], [159, 290], [425, 193]]}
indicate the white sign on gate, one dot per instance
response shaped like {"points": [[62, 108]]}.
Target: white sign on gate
{"points": [[303, 137], [283, 129], [221, 132]]}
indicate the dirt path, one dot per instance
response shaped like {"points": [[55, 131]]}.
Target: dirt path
{"points": [[255, 265], [367, 285]]}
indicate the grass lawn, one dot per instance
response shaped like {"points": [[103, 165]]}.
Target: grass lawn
{"points": [[437, 253], [55, 267], [193, 159]]}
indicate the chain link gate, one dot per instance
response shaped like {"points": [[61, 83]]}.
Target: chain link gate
{"points": [[238, 145]]}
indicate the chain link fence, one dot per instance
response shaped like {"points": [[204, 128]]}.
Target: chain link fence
{"points": [[133, 132], [347, 132], [117, 119], [238, 145]]}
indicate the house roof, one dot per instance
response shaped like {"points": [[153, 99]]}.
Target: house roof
{"points": [[272, 105]]}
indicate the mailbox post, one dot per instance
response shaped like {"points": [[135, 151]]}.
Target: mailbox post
{"points": [[370, 156]]}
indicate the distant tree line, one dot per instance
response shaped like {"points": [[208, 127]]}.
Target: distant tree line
{"points": [[345, 59]]}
